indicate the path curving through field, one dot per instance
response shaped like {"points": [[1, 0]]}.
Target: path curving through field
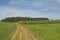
{"points": [[22, 33]]}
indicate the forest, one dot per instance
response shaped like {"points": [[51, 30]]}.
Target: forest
{"points": [[16, 19]]}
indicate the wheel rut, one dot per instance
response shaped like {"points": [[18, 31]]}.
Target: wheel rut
{"points": [[22, 33]]}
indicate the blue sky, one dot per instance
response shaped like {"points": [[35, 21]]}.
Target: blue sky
{"points": [[30, 8]]}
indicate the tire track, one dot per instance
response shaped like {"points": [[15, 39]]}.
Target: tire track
{"points": [[22, 33], [29, 34], [14, 36], [26, 33]]}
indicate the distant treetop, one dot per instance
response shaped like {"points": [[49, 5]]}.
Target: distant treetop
{"points": [[16, 19]]}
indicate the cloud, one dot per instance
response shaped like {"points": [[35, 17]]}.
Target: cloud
{"points": [[31, 3], [58, 1], [31, 8], [20, 2], [35, 4], [11, 12]]}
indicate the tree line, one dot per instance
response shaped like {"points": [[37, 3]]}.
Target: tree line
{"points": [[16, 19]]}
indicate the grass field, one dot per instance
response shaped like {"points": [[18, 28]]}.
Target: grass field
{"points": [[48, 31], [45, 30], [41, 22], [6, 30]]}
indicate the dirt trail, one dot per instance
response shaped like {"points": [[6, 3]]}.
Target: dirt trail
{"points": [[14, 35], [22, 33]]}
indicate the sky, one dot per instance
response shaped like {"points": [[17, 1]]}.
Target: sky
{"points": [[30, 8]]}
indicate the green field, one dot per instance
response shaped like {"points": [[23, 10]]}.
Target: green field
{"points": [[6, 30], [46, 31]]}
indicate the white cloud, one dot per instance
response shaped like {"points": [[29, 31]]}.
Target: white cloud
{"points": [[36, 4], [29, 13], [6, 11], [19, 2], [41, 4], [32, 3], [58, 1]]}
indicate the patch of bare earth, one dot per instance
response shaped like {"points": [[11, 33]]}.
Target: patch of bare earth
{"points": [[22, 33], [15, 34]]}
